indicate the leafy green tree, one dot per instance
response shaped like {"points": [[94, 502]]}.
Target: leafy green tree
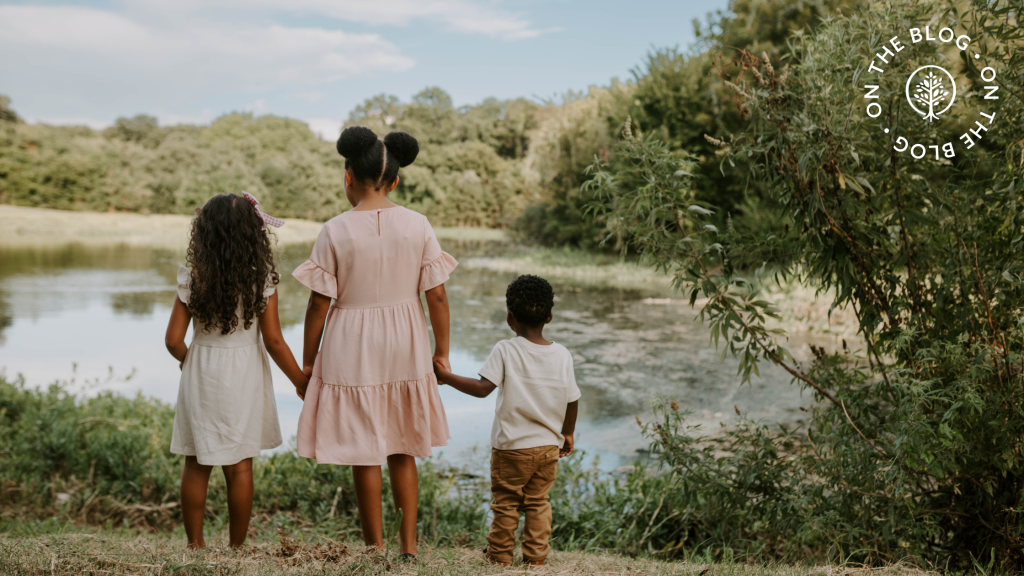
{"points": [[141, 129], [681, 96], [568, 137], [470, 168], [914, 450], [6, 114]]}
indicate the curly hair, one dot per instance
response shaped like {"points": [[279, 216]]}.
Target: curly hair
{"points": [[530, 299], [231, 258]]}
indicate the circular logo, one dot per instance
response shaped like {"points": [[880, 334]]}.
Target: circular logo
{"points": [[928, 88], [931, 92]]}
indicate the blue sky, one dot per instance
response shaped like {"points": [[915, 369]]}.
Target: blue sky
{"points": [[193, 60]]}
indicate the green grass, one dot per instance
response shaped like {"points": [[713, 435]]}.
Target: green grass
{"points": [[579, 267]]}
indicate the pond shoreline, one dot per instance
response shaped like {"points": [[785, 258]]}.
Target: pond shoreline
{"points": [[26, 227]]}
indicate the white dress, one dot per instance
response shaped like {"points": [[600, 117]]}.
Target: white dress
{"points": [[226, 410]]}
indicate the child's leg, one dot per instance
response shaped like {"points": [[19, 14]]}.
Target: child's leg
{"points": [[194, 479], [405, 487], [537, 507], [239, 481], [510, 469], [369, 484]]}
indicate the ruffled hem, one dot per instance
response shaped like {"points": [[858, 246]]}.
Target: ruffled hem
{"points": [[228, 458], [436, 273], [317, 279], [363, 425]]}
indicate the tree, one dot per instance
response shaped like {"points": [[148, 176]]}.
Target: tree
{"points": [[6, 114], [141, 129], [914, 450], [681, 95], [930, 92]]}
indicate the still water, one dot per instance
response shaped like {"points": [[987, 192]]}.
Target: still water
{"points": [[86, 313]]}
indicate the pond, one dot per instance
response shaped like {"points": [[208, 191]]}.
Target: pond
{"points": [[97, 315]]}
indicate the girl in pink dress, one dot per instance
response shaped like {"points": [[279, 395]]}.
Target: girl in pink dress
{"points": [[372, 398]]}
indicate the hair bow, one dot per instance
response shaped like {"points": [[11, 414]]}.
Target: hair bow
{"points": [[267, 218]]}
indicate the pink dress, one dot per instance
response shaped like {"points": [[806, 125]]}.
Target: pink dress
{"points": [[373, 392]]}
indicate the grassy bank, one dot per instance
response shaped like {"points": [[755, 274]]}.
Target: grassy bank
{"points": [[128, 552], [25, 227], [103, 463], [579, 267]]}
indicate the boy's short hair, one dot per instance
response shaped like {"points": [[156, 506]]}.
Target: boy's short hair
{"points": [[530, 298]]}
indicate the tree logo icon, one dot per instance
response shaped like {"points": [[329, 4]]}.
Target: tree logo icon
{"points": [[929, 93]]}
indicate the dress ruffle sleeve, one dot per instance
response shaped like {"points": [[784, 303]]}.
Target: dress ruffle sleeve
{"points": [[319, 273], [271, 286], [437, 272], [437, 264], [184, 284]]}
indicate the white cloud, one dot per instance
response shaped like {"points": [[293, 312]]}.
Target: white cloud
{"points": [[325, 128], [467, 16], [201, 57], [169, 58]]}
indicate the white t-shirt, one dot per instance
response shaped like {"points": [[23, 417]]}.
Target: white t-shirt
{"points": [[535, 384]]}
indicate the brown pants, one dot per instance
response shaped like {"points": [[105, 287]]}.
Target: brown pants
{"points": [[520, 480]]}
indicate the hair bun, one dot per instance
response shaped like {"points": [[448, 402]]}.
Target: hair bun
{"points": [[356, 141], [402, 146]]}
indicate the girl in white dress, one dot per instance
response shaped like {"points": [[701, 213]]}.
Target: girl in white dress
{"points": [[226, 411]]}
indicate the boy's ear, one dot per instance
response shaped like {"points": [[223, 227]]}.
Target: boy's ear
{"points": [[550, 316]]}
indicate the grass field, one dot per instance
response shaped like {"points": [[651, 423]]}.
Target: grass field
{"points": [[25, 227], [125, 552]]}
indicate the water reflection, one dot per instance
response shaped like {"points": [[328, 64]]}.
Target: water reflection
{"points": [[99, 308]]}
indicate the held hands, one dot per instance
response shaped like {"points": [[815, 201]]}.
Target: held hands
{"points": [[566, 449], [300, 387], [441, 368]]}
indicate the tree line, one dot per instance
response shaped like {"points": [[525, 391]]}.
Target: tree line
{"points": [[516, 164]]}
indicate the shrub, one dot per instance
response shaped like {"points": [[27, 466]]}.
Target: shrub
{"points": [[914, 450]]}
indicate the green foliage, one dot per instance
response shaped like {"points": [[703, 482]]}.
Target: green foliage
{"points": [[470, 169], [914, 451], [106, 459], [138, 166], [679, 96], [6, 114], [568, 138]]}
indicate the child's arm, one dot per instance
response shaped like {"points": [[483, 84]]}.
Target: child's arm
{"points": [[481, 388], [569, 428], [437, 305], [270, 327], [316, 317], [174, 339]]}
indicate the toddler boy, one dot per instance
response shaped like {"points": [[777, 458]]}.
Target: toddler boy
{"points": [[534, 420]]}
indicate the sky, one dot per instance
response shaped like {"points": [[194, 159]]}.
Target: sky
{"points": [[190, 61]]}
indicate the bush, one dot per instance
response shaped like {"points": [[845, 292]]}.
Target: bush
{"points": [[914, 452], [106, 459]]}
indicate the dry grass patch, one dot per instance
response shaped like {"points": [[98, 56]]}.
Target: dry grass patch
{"points": [[159, 554], [30, 227]]}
